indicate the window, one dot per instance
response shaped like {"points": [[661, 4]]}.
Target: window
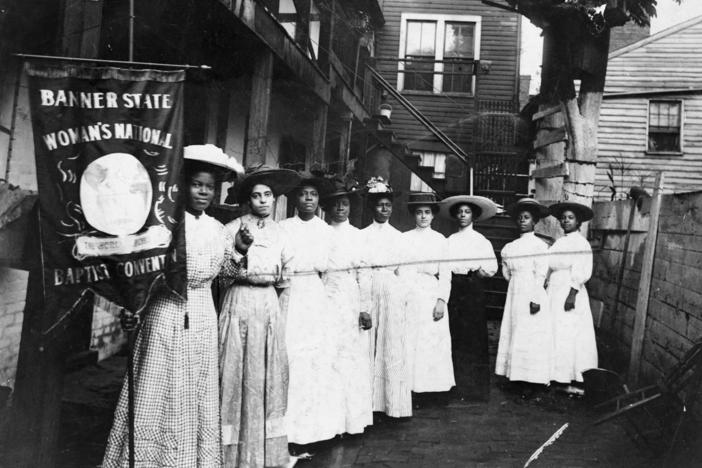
{"points": [[664, 126], [437, 161], [438, 52], [419, 55]]}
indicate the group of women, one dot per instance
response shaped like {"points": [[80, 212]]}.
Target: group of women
{"points": [[322, 324]]}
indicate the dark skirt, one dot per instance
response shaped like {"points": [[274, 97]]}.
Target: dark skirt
{"points": [[469, 335]]}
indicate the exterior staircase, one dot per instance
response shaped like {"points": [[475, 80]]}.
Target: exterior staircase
{"points": [[499, 230]]}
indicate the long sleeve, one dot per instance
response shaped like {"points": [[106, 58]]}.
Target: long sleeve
{"points": [[540, 264], [506, 273], [581, 269], [444, 273], [488, 261], [363, 277]]}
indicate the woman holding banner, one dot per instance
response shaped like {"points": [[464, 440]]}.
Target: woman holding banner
{"points": [[253, 362], [176, 392]]}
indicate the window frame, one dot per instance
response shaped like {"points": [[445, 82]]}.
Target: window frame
{"points": [[439, 46], [679, 152]]}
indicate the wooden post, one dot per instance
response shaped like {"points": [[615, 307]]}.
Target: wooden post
{"points": [[637, 338], [319, 135], [344, 143], [259, 109], [326, 35]]}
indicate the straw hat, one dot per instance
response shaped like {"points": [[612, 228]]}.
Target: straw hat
{"points": [[417, 199], [281, 181], [487, 207], [582, 212], [211, 154], [528, 204]]}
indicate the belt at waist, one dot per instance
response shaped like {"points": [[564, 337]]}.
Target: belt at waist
{"points": [[469, 275]]}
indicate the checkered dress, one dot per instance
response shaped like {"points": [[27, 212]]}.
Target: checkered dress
{"points": [[176, 388]]}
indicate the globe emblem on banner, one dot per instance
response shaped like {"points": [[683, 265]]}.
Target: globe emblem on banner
{"points": [[115, 194]]}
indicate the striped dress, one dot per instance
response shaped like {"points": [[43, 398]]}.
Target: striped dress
{"points": [[389, 349], [176, 388], [253, 366]]}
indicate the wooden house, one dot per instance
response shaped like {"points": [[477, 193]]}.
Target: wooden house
{"points": [[453, 66], [287, 87], [651, 114]]}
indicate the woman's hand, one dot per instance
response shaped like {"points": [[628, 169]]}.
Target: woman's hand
{"points": [[570, 300], [128, 320], [365, 321], [534, 308], [439, 310], [243, 239]]}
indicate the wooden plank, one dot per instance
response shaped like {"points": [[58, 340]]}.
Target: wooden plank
{"points": [[557, 170], [546, 112], [319, 134], [259, 109], [645, 283], [548, 137]]}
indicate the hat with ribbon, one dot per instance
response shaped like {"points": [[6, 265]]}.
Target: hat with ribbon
{"points": [[528, 204], [417, 199], [281, 181], [483, 208], [582, 212], [214, 156]]}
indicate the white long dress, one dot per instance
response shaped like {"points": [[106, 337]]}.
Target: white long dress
{"points": [[575, 349], [525, 349], [430, 363], [315, 405], [392, 386], [348, 286]]}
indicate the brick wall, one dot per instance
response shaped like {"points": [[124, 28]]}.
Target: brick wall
{"points": [[675, 309], [13, 286], [107, 336]]}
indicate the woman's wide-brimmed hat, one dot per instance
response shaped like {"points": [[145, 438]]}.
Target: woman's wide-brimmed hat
{"points": [[281, 181], [317, 179], [528, 204], [582, 212], [377, 187], [214, 156], [417, 199], [487, 207], [343, 187]]}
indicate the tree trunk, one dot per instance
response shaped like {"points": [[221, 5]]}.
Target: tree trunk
{"points": [[569, 56]]}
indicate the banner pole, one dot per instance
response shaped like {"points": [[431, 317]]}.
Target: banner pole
{"points": [[130, 394], [112, 62], [131, 30]]}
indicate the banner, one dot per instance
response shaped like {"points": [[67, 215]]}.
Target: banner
{"points": [[109, 147]]}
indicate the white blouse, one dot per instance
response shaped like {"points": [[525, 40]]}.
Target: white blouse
{"points": [[383, 245], [469, 251], [426, 253]]}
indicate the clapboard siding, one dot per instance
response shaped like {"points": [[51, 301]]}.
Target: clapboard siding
{"points": [[451, 113], [670, 60]]}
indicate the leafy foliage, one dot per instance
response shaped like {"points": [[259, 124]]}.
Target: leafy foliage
{"points": [[540, 11]]}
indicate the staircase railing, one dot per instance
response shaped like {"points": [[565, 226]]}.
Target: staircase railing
{"points": [[417, 114]]}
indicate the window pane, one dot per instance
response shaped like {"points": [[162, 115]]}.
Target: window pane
{"points": [[664, 121], [421, 36], [419, 74], [459, 39], [458, 77]]}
